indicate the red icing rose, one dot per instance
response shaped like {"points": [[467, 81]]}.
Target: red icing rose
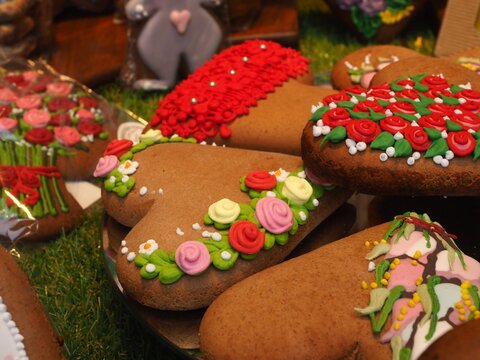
{"points": [[406, 82], [85, 114], [60, 104], [87, 102], [88, 127], [363, 130], [67, 135], [336, 117], [14, 79], [470, 95], [29, 178], [441, 109], [118, 147], [246, 237], [380, 93], [408, 93], [8, 176], [435, 82], [62, 119], [433, 121], [356, 90], [5, 110], [260, 180], [365, 105], [469, 106], [335, 98], [467, 120], [29, 101], [394, 124], [434, 93], [40, 136], [461, 143], [403, 107], [418, 138]]}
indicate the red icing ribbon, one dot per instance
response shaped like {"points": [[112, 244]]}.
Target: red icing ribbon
{"points": [[118, 147], [426, 225]]}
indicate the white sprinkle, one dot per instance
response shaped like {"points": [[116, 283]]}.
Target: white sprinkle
{"points": [[348, 65], [371, 266], [196, 226], [179, 232], [124, 250], [271, 194], [438, 100], [125, 178], [302, 215], [216, 236], [363, 94], [354, 100], [462, 100], [458, 111], [361, 146], [150, 268], [414, 123], [131, 256], [315, 202], [350, 142], [391, 93], [317, 131], [388, 112], [160, 191], [392, 100], [214, 144], [398, 135], [383, 157], [112, 179], [437, 159], [332, 105], [471, 131], [417, 115], [320, 123], [416, 100], [449, 155], [466, 86], [143, 190], [411, 161], [408, 87], [371, 98], [326, 130], [352, 150], [123, 243], [203, 143], [206, 234], [446, 118], [225, 255], [174, 136], [445, 163], [390, 151], [416, 155], [444, 134], [302, 175]]}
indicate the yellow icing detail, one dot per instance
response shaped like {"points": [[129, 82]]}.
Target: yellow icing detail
{"points": [[375, 243], [414, 263], [418, 42], [224, 211], [373, 285], [466, 284], [393, 266], [387, 275], [297, 190], [153, 135], [459, 305], [472, 308], [419, 281], [476, 317], [461, 311], [367, 244], [411, 303], [468, 302], [383, 241], [396, 261], [384, 282], [400, 317], [417, 255], [416, 297], [403, 310], [396, 326], [391, 17], [465, 297], [364, 285], [461, 317]]}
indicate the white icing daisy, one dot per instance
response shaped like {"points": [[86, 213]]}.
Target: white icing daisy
{"points": [[280, 174], [128, 167], [148, 247]]}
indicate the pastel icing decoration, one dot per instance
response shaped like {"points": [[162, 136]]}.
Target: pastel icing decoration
{"points": [[224, 211], [274, 215], [297, 190], [29, 101], [105, 165], [59, 88], [37, 118], [180, 20], [192, 257], [7, 124]]}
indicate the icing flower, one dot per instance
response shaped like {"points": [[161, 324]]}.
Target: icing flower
{"points": [[5, 110], [467, 120], [87, 102], [440, 109], [148, 247], [60, 104], [260, 180], [85, 114], [118, 147], [433, 121], [8, 176], [152, 135], [62, 119], [88, 127], [128, 167], [367, 105], [30, 75], [105, 165], [7, 95], [274, 215], [346, 4], [435, 82], [372, 7], [29, 101], [280, 174], [297, 190], [67, 135], [394, 124], [335, 98], [59, 88], [469, 95], [363, 130], [7, 124], [37, 118], [462, 143], [245, 237], [418, 138], [224, 211], [40, 136], [336, 117], [403, 107], [192, 257]]}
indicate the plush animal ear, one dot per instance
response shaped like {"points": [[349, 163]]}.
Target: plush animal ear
{"points": [[187, 192]]}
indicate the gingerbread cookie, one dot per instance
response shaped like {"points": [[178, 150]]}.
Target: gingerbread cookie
{"points": [[416, 136], [205, 217], [249, 96], [405, 282], [25, 332], [360, 66]]}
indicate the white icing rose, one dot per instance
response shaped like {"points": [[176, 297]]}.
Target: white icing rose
{"points": [[224, 211], [297, 190]]}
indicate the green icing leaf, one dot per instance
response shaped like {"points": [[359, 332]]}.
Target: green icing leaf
{"points": [[455, 88], [138, 147], [378, 297], [160, 257], [297, 210], [141, 259], [346, 104], [433, 134], [317, 191], [335, 136], [476, 135], [476, 152], [243, 187], [221, 263], [376, 116], [245, 209], [248, 256], [103, 135], [409, 229], [359, 97], [169, 274], [383, 103], [367, 25], [407, 117], [383, 141], [438, 147], [405, 353], [281, 239], [395, 87], [449, 100], [269, 241], [403, 148], [253, 194], [420, 109], [431, 283], [453, 126], [148, 275], [418, 77], [207, 220], [358, 115], [127, 156], [294, 228], [318, 114], [425, 100], [395, 293], [380, 270], [420, 87], [220, 226]]}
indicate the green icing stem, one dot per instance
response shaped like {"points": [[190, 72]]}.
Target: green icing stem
{"points": [[405, 353], [431, 282], [44, 187], [395, 293], [380, 271], [63, 205], [11, 152]]}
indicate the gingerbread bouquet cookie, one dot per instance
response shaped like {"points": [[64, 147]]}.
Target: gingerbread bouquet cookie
{"points": [[386, 292], [416, 136]]}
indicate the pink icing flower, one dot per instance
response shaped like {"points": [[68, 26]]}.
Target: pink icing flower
{"points": [[29, 101], [7, 95], [85, 114], [59, 88], [30, 75], [105, 165], [7, 124], [67, 135], [274, 215], [37, 118], [192, 257]]}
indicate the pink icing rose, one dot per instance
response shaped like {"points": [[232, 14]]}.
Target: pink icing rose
{"points": [[105, 165], [30, 75], [85, 114], [192, 257], [7, 95], [7, 124], [59, 88], [67, 135], [29, 101], [36, 118], [274, 215]]}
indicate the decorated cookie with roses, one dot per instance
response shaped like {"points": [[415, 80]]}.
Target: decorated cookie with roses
{"points": [[416, 136], [203, 217], [387, 292]]}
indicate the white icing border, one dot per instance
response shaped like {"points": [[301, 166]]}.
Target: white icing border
{"points": [[14, 331]]}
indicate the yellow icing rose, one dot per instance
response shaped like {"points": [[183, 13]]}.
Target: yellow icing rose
{"points": [[152, 134], [224, 211], [297, 190]]}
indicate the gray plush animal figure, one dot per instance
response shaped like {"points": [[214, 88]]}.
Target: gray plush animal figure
{"points": [[173, 28]]}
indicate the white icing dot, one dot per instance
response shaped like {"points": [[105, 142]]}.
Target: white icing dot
{"points": [[332, 105], [214, 144], [6, 316], [437, 159], [3, 307], [196, 226], [371, 98], [13, 327], [301, 175], [416, 100], [361, 146], [444, 134], [350, 142], [410, 161], [383, 157], [392, 100], [446, 118], [315, 202], [179, 232], [143, 190], [471, 131], [320, 123], [363, 94], [125, 178], [414, 123], [18, 337], [326, 130], [398, 136], [408, 87], [388, 112], [225, 255], [466, 86], [271, 194], [124, 250], [112, 179], [457, 111], [150, 268], [438, 100], [462, 100], [445, 163], [391, 93], [203, 143], [315, 108], [160, 191], [206, 234], [131, 256], [216, 236], [449, 155], [317, 131], [390, 151], [417, 115], [20, 346], [354, 100], [416, 155], [302, 215], [371, 266], [352, 150], [123, 243]]}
